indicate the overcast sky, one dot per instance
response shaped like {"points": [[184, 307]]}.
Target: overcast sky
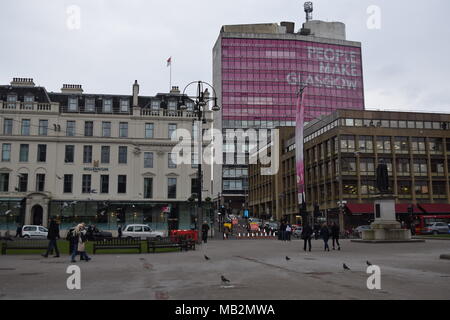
{"points": [[406, 62]]}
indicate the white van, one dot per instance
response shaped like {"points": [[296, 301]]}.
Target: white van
{"points": [[34, 232], [142, 231]]}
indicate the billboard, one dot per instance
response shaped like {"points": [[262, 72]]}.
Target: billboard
{"points": [[260, 79]]}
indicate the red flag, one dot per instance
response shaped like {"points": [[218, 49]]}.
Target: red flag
{"points": [[169, 61]]}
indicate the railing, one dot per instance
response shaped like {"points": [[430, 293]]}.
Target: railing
{"points": [[26, 106]]}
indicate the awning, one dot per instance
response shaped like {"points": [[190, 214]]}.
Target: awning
{"points": [[403, 208], [438, 208], [360, 208]]}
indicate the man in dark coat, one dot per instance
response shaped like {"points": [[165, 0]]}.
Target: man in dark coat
{"points": [[19, 231], [335, 235], [325, 234], [205, 229], [119, 231], [52, 236], [306, 236]]}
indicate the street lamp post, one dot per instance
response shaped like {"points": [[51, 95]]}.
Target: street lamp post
{"points": [[201, 103]]}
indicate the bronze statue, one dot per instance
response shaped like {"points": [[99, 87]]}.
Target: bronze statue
{"points": [[382, 177]]}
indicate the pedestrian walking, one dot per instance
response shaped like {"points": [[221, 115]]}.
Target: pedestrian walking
{"points": [[316, 231], [79, 243], [119, 231], [52, 236], [205, 229], [335, 231], [325, 234], [18, 231], [282, 235], [288, 232], [306, 236]]}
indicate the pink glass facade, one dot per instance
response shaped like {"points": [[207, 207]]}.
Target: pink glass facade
{"points": [[260, 79]]}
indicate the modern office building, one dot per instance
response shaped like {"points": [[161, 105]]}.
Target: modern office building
{"points": [[342, 151], [257, 70], [96, 158]]}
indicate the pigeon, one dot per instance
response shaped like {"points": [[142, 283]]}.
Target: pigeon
{"points": [[368, 263], [287, 258], [345, 267], [224, 280], [206, 257]]}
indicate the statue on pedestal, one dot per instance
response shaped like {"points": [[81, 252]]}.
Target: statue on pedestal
{"points": [[382, 177]]}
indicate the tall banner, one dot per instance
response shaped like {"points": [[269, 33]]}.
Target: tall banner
{"points": [[300, 166]]}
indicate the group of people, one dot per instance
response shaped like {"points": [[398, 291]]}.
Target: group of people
{"points": [[325, 232], [77, 238]]}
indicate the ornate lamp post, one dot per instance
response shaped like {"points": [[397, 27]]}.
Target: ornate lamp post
{"points": [[201, 105]]}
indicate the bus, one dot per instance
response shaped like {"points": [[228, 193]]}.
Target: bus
{"points": [[421, 222]]}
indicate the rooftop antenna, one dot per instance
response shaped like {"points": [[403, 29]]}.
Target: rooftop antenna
{"points": [[308, 10]]}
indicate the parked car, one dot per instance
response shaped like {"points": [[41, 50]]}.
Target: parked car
{"points": [[436, 228], [142, 231], [358, 230], [256, 220], [93, 234], [34, 232]]}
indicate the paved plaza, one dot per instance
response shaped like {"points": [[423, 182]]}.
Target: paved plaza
{"points": [[257, 269]]}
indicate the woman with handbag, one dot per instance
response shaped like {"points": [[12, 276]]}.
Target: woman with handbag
{"points": [[79, 245]]}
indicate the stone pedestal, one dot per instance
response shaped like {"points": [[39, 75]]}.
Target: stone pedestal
{"points": [[385, 227]]}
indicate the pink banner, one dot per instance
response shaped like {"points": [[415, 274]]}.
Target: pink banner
{"points": [[300, 120]]}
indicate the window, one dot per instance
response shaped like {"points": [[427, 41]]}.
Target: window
{"points": [[69, 154], [105, 156], [347, 143], [156, 104], [368, 187], [172, 129], [439, 188], [148, 159], [436, 145], [172, 188], [23, 182], [86, 183], [383, 144], [68, 183], [8, 126], [24, 152], [25, 131], [43, 127], [87, 154], [4, 182], [12, 99], [172, 105], [420, 167], [42, 153], [106, 129], [418, 145], [104, 183], [366, 144], [194, 186], [107, 106], [149, 130], [124, 105], [6, 152], [123, 130], [172, 159], [90, 105], [122, 184], [404, 188], [401, 145], [123, 155], [233, 185], [348, 166], [70, 129], [73, 104], [421, 188], [437, 167], [148, 188], [403, 167], [350, 188], [40, 182], [367, 166], [88, 128]]}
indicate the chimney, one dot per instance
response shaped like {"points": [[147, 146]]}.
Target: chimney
{"points": [[22, 82], [135, 93], [72, 88], [175, 90]]}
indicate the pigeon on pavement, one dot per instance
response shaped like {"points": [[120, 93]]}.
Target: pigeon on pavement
{"points": [[224, 280], [345, 267], [368, 263], [287, 258], [206, 257]]}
